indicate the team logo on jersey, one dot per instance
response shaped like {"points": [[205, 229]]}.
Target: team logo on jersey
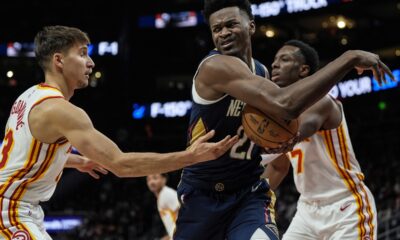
{"points": [[235, 108], [21, 235], [19, 109]]}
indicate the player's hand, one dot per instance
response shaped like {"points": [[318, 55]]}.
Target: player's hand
{"points": [[285, 147], [370, 61], [91, 168], [204, 151]]}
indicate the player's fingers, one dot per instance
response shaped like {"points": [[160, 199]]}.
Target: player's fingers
{"points": [[101, 170], [232, 141], [383, 75], [359, 70], [377, 74], [94, 175], [207, 136], [387, 70], [223, 145]]}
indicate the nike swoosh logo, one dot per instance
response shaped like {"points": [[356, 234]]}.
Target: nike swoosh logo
{"points": [[343, 207], [254, 188]]}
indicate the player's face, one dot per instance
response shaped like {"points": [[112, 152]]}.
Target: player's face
{"points": [[287, 66], [77, 65], [231, 31], [155, 182]]}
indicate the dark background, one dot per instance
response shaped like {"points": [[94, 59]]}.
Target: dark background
{"points": [[158, 65]]}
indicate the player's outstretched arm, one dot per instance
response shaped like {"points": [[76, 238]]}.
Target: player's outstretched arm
{"points": [[85, 165], [73, 123], [226, 74]]}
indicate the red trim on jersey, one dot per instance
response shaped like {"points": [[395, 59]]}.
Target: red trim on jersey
{"points": [[19, 174], [43, 99], [352, 187], [22, 188], [44, 85]]}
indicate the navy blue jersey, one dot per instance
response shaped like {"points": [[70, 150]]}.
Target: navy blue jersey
{"points": [[240, 164]]}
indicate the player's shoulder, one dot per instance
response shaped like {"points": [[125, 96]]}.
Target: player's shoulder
{"points": [[56, 109], [55, 106], [169, 191]]}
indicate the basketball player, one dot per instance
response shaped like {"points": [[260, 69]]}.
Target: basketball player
{"points": [[225, 199], [334, 202], [43, 125], [167, 201]]}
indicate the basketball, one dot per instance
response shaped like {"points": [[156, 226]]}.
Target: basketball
{"points": [[267, 131]]}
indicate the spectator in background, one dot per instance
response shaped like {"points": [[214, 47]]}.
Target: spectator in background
{"points": [[167, 201]]}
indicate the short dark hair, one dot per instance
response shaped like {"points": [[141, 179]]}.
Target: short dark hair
{"points": [[309, 53], [165, 175], [52, 39], [211, 6]]}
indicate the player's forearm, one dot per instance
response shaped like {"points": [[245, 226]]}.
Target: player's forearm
{"points": [[74, 161], [275, 176], [143, 164], [298, 96], [276, 171]]}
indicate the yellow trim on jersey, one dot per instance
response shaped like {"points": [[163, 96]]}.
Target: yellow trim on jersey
{"points": [[349, 181], [43, 99], [47, 87], [20, 191], [13, 216], [3, 228], [198, 130], [329, 144], [370, 213], [168, 212], [13, 206], [271, 205], [23, 187], [343, 147], [33, 153], [360, 176], [50, 154], [344, 150], [2, 233]]}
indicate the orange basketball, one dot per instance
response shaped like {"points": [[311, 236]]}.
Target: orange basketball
{"points": [[267, 131]]}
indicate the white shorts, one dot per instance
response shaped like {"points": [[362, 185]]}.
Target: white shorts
{"points": [[21, 221], [345, 219]]}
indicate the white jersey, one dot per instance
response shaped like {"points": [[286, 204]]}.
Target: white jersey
{"points": [[325, 166], [328, 176], [29, 169], [168, 206]]}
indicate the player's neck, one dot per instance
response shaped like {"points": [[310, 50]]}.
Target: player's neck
{"points": [[158, 193], [59, 83], [248, 59]]}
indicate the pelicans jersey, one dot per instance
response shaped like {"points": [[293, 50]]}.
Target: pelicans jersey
{"points": [[29, 169], [240, 165], [224, 198], [168, 206], [334, 201]]}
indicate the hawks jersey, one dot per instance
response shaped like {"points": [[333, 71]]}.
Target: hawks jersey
{"points": [[30, 169], [168, 206], [325, 166], [239, 164]]}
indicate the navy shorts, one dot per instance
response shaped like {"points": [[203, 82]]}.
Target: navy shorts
{"points": [[212, 215]]}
